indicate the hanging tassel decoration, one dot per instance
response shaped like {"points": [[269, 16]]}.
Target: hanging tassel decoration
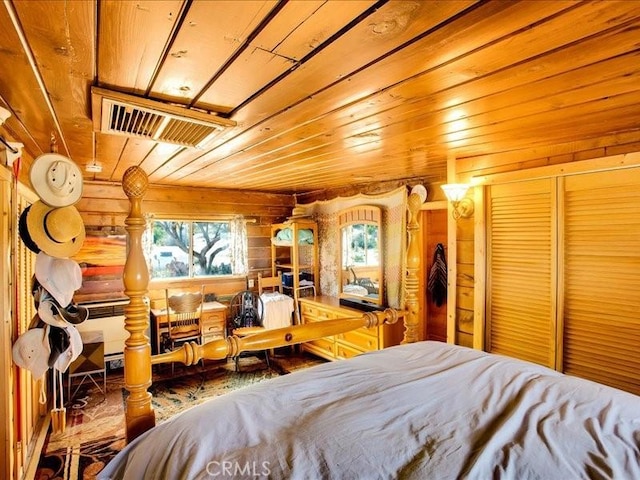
{"points": [[58, 414]]}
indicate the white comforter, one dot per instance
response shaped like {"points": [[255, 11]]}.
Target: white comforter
{"points": [[426, 411]]}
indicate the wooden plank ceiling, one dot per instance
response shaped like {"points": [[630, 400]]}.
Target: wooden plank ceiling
{"points": [[324, 94]]}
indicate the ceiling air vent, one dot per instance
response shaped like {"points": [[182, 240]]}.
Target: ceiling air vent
{"points": [[123, 114]]}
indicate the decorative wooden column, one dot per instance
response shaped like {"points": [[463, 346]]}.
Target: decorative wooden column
{"points": [[411, 321], [140, 416]]}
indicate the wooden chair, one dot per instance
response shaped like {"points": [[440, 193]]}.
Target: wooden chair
{"points": [[184, 314], [273, 283], [246, 319]]}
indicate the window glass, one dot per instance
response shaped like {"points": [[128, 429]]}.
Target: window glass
{"points": [[186, 249], [211, 252]]}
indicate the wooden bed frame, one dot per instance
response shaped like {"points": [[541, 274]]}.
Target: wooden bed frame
{"points": [[138, 360]]}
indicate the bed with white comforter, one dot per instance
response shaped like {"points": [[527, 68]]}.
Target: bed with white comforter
{"points": [[426, 410]]}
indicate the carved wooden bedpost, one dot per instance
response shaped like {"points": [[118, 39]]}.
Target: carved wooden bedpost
{"points": [[413, 265], [140, 416]]}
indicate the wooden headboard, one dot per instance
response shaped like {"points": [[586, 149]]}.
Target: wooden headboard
{"points": [[138, 360]]}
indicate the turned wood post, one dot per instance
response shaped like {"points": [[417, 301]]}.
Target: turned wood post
{"points": [[413, 265], [140, 416]]}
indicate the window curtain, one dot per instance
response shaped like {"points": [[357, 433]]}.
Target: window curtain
{"points": [[147, 242], [238, 246]]}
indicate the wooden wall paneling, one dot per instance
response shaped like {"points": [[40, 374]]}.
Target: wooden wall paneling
{"points": [[465, 277], [142, 29], [560, 154], [104, 200], [285, 40], [264, 145], [405, 21], [22, 100], [68, 69], [480, 268], [208, 22], [179, 163], [134, 152], [103, 206], [19, 404], [452, 259], [516, 133], [223, 288], [298, 113], [434, 229], [259, 250], [613, 162], [36, 410], [7, 370], [108, 151]]}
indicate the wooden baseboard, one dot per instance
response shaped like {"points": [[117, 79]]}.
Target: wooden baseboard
{"points": [[34, 457]]}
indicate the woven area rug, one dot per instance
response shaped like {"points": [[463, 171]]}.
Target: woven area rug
{"points": [[95, 430]]}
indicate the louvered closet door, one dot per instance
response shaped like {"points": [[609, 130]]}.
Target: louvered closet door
{"points": [[522, 271], [602, 278]]}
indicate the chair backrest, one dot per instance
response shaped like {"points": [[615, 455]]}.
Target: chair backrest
{"points": [[273, 283], [184, 311], [246, 310]]}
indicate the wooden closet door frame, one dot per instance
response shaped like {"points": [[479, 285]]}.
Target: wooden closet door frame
{"points": [[559, 172], [538, 186]]}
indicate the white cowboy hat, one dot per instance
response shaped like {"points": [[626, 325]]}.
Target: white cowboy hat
{"points": [[61, 277], [56, 179], [53, 314], [58, 232], [31, 351]]}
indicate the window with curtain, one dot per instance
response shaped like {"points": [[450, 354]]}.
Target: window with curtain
{"points": [[196, 248]]}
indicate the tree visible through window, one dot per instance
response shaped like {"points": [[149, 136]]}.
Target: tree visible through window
{"points": [[190, 249]]}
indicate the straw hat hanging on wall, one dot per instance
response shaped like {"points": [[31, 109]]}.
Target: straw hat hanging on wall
{"points": [[58, 232]]}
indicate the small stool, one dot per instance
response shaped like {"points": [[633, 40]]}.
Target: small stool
{"points": [[90, 362]]}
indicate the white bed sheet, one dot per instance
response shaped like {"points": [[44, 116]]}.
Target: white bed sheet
{"points": [[422, 411]]}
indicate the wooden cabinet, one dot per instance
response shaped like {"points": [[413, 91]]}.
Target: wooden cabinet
{"points": [[349, 344], [296, 259], [214, 325]]}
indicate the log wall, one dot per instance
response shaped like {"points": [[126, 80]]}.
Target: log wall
{"points": [[104, 207]]}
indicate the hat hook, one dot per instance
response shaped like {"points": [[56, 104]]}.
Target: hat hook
{"points": [[53, 143]]}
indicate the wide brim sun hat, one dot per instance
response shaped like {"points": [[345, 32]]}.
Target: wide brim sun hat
{"points": [[56, 179], [31, 351], [24, 232], [53, 314], [58, 232], [61, 277], [298, 212]]}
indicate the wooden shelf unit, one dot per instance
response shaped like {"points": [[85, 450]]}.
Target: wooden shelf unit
{"points": [[295, 258]]}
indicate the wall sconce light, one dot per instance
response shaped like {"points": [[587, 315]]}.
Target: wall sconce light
{"points": [[463, 207]]}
